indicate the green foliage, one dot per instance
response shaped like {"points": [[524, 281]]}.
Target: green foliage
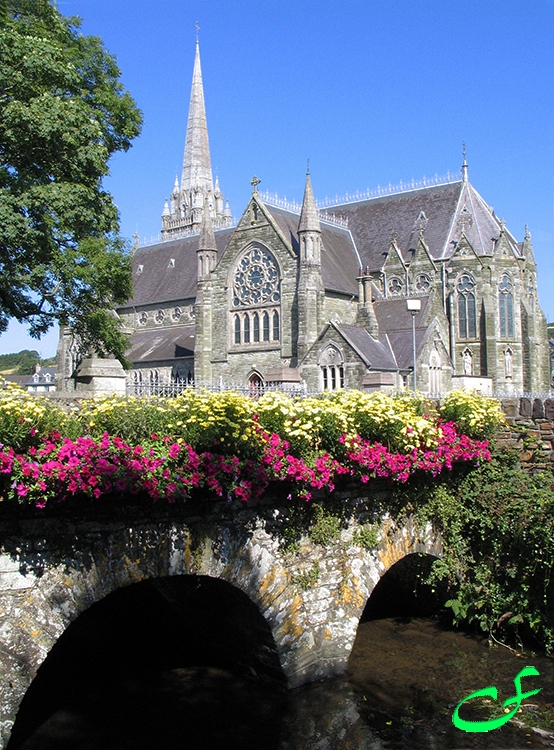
{"points": [[325, 527], [133, 419], [366, 536], [497, 524], [22, 363], [305, 579], [63, 113]]}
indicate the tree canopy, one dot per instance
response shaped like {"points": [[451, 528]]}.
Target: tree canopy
{"points": [[63, 113]]}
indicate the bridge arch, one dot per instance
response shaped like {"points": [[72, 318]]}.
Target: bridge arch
{"points": [[312, 600], [139, 641]]}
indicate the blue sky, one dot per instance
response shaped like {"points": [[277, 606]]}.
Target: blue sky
{"points": [[371, 91]]}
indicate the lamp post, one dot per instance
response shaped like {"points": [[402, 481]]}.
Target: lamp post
{"points": [[413, 306]]}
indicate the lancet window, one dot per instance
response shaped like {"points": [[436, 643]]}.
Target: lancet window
{"points": [[331, 365], [467, 318], [506, 307]]}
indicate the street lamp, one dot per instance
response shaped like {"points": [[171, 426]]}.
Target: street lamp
{"points": [[413, 306]]}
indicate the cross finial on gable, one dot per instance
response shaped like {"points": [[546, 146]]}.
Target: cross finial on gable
{"points": [[255, 182]]}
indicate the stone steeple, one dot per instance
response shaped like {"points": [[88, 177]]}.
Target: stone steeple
{"points": [[197, 169], [309, 229], [195, 194], [310, 284]]}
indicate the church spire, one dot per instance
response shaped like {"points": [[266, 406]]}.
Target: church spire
{"points": [[197, 169], [195, 195], [309, 219]]}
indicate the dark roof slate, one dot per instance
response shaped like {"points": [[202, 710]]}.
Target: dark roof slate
{"points": [[396, 322], [162, 343], [160, 281], [377, 354], [437, 208], [373, 220]]}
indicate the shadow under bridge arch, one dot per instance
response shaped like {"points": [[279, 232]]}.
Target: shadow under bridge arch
{"points": [[154, 662]]}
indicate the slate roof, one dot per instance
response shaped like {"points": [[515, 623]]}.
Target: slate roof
{"points": [[372, 221], [376, 354], [162, 343], [168, 270], [159, 281], [396, 322]]}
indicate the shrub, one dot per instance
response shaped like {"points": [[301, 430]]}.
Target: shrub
{"points": [[476, 415]]}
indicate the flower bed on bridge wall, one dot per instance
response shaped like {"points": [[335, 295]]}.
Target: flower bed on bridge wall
{"points": [[227, 445]]}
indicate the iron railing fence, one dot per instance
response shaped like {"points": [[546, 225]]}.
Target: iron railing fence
{"points": [[176, 387]]}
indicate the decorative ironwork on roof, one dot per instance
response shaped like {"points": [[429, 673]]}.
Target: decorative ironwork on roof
{"points": [[271, 199], [182, 233], [380, 191], [403, 187]]}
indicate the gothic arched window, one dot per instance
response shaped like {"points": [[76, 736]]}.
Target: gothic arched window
{"points": [[255, 289], [331, 364], [506, 308], [467, 318], [256, 279]]}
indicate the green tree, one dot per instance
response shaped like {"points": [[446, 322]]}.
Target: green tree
{"points": [[63, 113]]}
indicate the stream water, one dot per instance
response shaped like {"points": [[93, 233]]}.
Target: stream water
{"points": [[405, 678]]}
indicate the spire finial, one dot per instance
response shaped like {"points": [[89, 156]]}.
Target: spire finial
{"points": [[308, 166], [464, 164], [197, 27]]}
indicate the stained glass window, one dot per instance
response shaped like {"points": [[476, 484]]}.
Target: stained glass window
{"points": [[506, 308], [467, 319]]}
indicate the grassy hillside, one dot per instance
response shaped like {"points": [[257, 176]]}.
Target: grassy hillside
{"points": [[23, 362]]}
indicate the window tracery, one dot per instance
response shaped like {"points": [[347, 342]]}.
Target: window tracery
{"points": [[256, 279], [423, 282], [331, 363], [506, 307], [395, 287], [467, 318], [435, 373], [255, 298]]}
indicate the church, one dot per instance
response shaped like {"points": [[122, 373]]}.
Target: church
{"points": [[419, 286]]}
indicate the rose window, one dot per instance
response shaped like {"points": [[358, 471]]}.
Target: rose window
{"points": [[256, 280]]}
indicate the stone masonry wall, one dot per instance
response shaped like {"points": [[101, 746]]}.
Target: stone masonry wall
{"points": [[53, 567], [530, 431]]}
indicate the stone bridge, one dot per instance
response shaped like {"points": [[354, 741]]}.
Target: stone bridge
{"points": [[308, 572], [291, 579]]}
